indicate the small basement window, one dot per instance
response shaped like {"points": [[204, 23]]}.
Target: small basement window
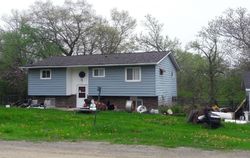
{"points": [[139, 102], [98, 72], [45, 74]]}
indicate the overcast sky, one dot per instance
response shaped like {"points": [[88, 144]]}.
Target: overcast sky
{"points": [[182, 18]]}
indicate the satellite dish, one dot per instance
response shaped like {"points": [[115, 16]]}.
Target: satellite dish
{"points": [[81, 74]]}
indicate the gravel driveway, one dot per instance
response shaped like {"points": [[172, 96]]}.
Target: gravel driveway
{"points": [[14, 149]]}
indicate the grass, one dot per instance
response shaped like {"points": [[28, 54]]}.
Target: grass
{"points": [[118, 127]]}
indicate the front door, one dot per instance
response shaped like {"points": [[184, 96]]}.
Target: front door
{"points": [[81, 95]]}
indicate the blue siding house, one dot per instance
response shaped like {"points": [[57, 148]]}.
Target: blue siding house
{"points": [[147, 78]]}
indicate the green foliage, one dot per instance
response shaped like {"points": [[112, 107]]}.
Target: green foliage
{"points": [[177, 109], [118, 127], [230, 86], [19, 47], [191, 78], [193, 81], [23, 45]]}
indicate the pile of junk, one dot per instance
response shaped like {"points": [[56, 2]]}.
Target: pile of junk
{"points": [[211, 116], [28, 103], [131, 107]]}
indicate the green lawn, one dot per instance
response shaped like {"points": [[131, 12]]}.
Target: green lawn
{"points": [[118, 127]]}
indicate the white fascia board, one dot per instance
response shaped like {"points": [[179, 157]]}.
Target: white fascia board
{"points": [[105, 65], [173, 62], [163, 58]]}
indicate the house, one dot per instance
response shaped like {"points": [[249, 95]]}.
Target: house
{"points": [[148, 78], [246, 83]]}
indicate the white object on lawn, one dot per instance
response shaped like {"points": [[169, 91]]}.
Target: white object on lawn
{"points": [[170, 112], [154, 111], [7, 106], [236, 121], [224, 115], [141, 109], [247, 115], [201, 117], [92, 105], [129, 104]]}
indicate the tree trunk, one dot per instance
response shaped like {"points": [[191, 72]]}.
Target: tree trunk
{"points": [[211, 83]]}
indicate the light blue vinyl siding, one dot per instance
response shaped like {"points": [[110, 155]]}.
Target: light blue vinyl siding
{"points": [[166, 85], [56, 86], [114, 84]]}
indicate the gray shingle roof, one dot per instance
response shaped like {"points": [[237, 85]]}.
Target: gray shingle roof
{"points": [[102, 60], [246, 78]]}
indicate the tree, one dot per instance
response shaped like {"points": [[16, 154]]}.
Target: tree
{"points": [[208, 45], [234, 27], [191, 78], [230, 86], [117, 35], [68, 26], [20, 45], [21, 40], [152, 39]]}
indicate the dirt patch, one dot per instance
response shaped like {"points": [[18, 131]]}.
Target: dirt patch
{"points": [[13, 149]]}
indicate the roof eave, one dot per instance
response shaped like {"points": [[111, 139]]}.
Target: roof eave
{"points": [[104, 65], [176, 65]]}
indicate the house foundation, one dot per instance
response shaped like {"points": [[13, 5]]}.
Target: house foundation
{"points": [[120, 101], [56, 101]]}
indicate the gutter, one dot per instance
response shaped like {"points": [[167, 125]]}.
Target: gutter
{"points": [[105, 65]]}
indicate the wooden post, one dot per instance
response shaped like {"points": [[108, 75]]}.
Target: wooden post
{"points": [[99, 89]]}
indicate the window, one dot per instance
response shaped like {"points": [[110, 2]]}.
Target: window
{"points": [[81, 92], [98, 72], [161, 71], [172, 74], [139, 102], [133, 74], [45, 74]]}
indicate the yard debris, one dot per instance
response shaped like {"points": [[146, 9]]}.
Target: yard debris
{"points": [[141, 109], [236, 121], [205, 117], [129, 106], [27, 103], [212, 115], [92, 105], [170, 111], [224, 115], [110, 106], [154, 111]]}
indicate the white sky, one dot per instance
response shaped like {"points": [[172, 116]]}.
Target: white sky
{"points": [[182, 18]]}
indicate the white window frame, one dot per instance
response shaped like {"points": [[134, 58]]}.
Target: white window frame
{"points": [[132, 76], [93, 72], [46, 78]]}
